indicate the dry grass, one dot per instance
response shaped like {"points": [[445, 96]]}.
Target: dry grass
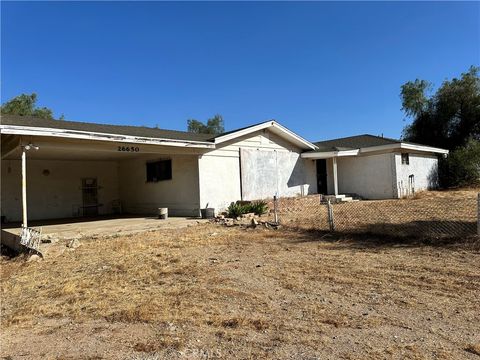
{"points": [[215, 292], [429, 214]]}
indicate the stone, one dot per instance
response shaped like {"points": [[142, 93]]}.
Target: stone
{"points": [[73, 244], [254, 222], [34, 257]]}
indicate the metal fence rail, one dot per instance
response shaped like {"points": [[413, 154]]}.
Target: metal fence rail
{"points": [[423, 217]]}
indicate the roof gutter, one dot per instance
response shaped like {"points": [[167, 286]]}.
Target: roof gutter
{"points": [[404, 146], [329, 154], [85, 135]]}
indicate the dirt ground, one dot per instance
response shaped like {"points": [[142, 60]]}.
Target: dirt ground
{"points": [[215, 292], [434, 214]]}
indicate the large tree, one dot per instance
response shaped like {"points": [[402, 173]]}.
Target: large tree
{"points": [[25, 105], [213, 126], [450, 117]]}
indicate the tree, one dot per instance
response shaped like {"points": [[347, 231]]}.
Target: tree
{"points": [[450, 117], [214, 126], [25, 105], [462, 166]]}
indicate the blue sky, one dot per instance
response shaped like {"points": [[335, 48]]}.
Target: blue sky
{"points": [[323, 69]]}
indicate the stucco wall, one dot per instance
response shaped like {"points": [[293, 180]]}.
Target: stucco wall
{"points": [[424, 167], [371, 177], [180, 194], [220, 172], [58, 194]]}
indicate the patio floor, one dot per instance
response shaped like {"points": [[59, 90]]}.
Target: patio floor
{"points": [[68, 229]]}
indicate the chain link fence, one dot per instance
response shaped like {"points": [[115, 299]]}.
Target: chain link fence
{"points": [[428, 215]]}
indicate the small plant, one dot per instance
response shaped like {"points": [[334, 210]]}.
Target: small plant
{"points": [[240, 208], [259, 207], [235, 210]]}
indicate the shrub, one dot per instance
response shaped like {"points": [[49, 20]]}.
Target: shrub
{"points": [[462, 166], [239, 208], [258, 207], [235, 210]]}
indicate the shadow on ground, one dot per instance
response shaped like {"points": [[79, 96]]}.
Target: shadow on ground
{"points": [[413, 234]]}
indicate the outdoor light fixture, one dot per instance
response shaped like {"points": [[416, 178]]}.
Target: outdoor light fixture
{"points": [[30, 147]]}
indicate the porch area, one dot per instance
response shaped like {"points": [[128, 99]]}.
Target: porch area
{"points": [[65, 230], [80, 178]]}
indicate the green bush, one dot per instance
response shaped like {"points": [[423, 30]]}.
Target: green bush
{"points": [[461, 167], [239, 208], [258, 207], [235, 210]]}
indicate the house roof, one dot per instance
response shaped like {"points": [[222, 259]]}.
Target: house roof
{"points": [[365, 144], [138, 131], [354, 142], [133, 133]]}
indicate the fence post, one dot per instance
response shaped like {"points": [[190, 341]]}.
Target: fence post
{"points": [[331, 221], [478, 214], [275, 208]]}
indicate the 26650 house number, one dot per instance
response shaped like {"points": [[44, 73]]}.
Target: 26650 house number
{"points": [[129, 148]]}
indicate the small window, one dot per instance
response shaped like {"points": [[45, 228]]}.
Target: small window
{"points": [[159, 170], [405, 159]]}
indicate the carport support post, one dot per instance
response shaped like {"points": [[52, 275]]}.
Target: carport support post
{"points": [[335, 180], [24, 186]]}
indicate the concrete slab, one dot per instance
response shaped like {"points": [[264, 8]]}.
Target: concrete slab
{"points": [[69, 229]]}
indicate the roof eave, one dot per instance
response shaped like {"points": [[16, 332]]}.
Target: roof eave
{"points": [[273, 125], [86, 135], [404, 146]]}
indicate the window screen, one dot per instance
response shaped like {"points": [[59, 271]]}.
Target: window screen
{"points": [[405, 159], [159, 170]]}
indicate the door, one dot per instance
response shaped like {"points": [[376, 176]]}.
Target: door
{"points": [[322, 176], [90, 197]]}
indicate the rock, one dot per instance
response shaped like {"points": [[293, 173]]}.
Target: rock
{"points": [[34, 257], [248, 215], [73, 244], [220, 216], [254, 222]]}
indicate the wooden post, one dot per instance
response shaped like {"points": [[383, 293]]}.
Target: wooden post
{"points": [[335, 180], [331, 221], [275, 208], [24, 187]]}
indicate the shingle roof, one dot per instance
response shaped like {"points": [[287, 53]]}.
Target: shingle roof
{"points": [[354, 142], [138, 131]]}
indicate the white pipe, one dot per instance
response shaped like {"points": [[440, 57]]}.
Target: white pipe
{"points": [[24, 186]]}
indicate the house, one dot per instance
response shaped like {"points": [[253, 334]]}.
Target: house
{"points": [[86, 169]]}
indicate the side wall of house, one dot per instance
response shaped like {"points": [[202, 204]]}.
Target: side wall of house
{"points": [[54, 187], [180, 194], [246, 168], [423, 167], [371, 177]]}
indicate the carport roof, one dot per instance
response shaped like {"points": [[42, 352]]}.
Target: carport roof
{"points": [[138, 131]]}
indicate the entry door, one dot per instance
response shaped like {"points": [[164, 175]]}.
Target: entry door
{"points": [[322, 176], [90, 197]]}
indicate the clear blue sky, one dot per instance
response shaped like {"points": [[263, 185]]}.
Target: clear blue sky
{"points": [[322, 69]]}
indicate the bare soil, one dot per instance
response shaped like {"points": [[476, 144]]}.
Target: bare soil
{"points": [[215, 292]]}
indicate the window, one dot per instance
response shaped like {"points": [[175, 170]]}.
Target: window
{"points": [[405, 159], [159, 170]]}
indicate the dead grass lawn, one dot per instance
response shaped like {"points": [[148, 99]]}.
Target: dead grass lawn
{"points": [[216, 292]]}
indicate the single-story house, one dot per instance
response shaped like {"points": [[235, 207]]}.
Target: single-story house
{"points": [[87, 169]]}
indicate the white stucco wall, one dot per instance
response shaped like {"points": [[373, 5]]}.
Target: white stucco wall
{"points": [[383, 176], [180, 194], [59, 194], [424, 168], [221, 171], [371, 177]]}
